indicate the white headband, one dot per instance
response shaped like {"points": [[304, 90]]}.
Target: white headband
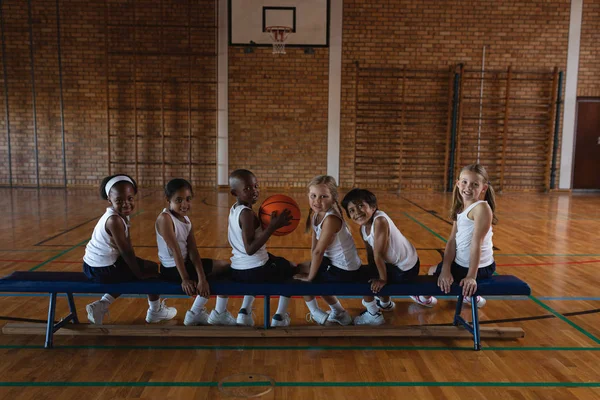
{"points": [[115, 180]]}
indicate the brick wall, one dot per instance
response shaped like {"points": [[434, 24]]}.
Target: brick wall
{"points": [[278, 104], [588, 83], [432, 35], [114, 56], [278, 114]]}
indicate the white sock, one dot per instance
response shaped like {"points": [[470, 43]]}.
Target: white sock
{"points": [[107, 297], [371, 307], [337, 307], [221, 305], [247, 302], [313, 306], [154, 305], [283, 305], [384, 304], [199, 304]]}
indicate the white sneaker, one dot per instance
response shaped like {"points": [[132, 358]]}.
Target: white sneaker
{"points": [[224, 318], [390, 307], [319, 316], [366, 318], [243, 318], [163, 313], [280, 320], [192, 318], [96, 311], [424, 301], [480, 301], [342, 318]]}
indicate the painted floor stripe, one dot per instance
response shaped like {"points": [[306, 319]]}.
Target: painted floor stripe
{"points": [[302, 384], [299, 348]]}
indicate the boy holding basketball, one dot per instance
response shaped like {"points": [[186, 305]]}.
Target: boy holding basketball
{"points": [[250, 261]]}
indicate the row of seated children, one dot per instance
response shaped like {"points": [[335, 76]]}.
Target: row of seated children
{"points": [[109, 255]]}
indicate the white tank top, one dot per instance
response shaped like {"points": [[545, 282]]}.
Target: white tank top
{"points": [[342, 252], [241, 259], [464, 235], [400, 251], [101, 250], [182, 231]]}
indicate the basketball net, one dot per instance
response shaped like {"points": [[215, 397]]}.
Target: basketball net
{"points": [[279, 35]]}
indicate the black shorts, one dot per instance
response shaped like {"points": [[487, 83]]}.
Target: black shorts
{"points": [[394, 274], [459, 273], [118, 272], [275, 270], [330, 273], [172, 274]]}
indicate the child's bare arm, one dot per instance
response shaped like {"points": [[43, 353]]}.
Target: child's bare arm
{"points": [[331, 226], [381, 236], [482, 216], [116, 229], [203, 288], [445, 279], [249, 223]]}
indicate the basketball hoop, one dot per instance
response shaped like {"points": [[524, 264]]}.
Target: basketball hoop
{"points": [[278, 34]]}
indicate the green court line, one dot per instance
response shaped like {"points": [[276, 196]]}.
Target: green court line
{"points": [[537, 301], [69, 249], [426, 227], [565, 319], [40, 265], [298, 348], [301, 384]]}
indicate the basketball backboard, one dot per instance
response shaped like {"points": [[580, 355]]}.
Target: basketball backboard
{"points": [[309, 20]]}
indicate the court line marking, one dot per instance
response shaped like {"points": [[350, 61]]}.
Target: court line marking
{"points": [[68, 230], [298, 348], [302, 384], [535, 299]]}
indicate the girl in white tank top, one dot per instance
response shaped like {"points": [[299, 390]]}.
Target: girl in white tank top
{"points": [[469, 256], [178, 253], [334, 254]]}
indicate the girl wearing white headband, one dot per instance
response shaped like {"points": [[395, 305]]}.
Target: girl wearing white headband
{"points": [[109, 255]]}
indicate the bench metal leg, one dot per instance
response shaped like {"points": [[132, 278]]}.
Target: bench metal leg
{"points": [[459, 304], [72, 308], [474, 312], [267, 313], [50, 326]]}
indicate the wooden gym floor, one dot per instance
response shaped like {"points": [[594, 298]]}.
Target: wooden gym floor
{"points": [[548, 240]]}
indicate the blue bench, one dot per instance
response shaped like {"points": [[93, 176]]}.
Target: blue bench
{"points": [[76, 282]]}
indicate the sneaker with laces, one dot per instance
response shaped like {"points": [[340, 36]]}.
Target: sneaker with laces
{"points": [[319, 316], [366, 318], [480, 301], [424, 301], [342, 318], [224, 318], [199, 318], [163, 313], [244, 318], [391, 305], [96, 311], [280, 320]]}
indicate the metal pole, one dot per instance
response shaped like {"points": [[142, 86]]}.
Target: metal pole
{"points": [[480, 104], [33, 94], [60, 83], [556, 127], [6, 107]]}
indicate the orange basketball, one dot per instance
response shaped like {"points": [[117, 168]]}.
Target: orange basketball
{"points": [[279, 202]]}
